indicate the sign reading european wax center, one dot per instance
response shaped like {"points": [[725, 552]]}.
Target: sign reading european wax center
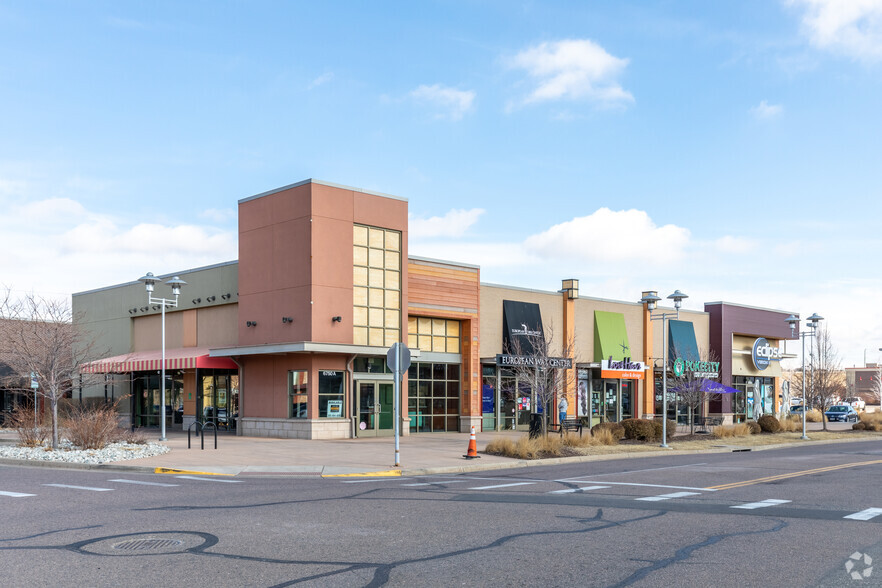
{"points": [[699, 369], [624, 369], [764, 354], [533, 361]]}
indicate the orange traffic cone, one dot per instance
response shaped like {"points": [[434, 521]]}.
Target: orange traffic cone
{"points": [[473, 447]]}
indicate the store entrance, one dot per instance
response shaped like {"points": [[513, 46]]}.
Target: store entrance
{"points": [[218, 401], [374, 406]]}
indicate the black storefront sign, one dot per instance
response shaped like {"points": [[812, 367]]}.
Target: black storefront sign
{"points": [[503, 360], [521, 327]]}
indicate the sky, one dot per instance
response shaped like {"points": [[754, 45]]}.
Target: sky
{"points": [[729, 149]]}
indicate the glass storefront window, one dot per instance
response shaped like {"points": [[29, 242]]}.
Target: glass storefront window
{"points": [[330, 394], [433, 391], [298, 393]]}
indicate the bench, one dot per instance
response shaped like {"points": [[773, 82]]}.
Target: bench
{"points": [[566, 426]]}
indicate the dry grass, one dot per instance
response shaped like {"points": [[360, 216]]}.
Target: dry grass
{"points": [[789, 425], [814, 416], [872, 420], [21, 420], [93, 427], [739, 430], [550, 446]]}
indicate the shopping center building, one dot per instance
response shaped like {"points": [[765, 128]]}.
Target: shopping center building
{"points": [[291, 339]]}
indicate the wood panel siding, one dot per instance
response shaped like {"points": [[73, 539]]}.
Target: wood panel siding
{"points": [[437, 285]]}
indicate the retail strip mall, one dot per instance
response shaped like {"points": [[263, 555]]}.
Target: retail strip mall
{"points": [[291, 339]]}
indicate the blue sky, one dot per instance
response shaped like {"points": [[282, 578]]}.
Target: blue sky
{"points": [[729, 149]]}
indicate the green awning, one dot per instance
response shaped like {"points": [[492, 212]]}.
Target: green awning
{"points": [[610, 336], [681, 341]]}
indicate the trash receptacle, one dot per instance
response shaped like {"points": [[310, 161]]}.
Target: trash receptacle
{"points": [[535, 426]]}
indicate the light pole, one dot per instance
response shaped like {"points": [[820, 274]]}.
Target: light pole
{"points": [[812, 321], [175, 283], [650, 299]]}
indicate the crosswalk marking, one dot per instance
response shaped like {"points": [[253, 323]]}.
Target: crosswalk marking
{"points": [[865, 515], [581, 489], [667, 496], [15, 494], [142, 482], [209, 479], [502, 485], [761, 504], [80, 487]]}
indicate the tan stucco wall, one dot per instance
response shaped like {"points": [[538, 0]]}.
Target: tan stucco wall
{"points": [[550, 305]]}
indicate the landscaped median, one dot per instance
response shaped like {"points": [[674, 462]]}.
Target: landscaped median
{"points": [[636, 436]]}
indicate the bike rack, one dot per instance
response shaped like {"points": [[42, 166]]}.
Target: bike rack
{"points": [[201, 427]]}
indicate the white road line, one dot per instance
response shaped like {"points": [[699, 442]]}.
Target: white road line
{"points": [[865, 515], [80, 487], [667, 496], [688, 465], [762, 504], [582, 489], [438, 483], [635, 484], [209, 479], [502, 486], [15, 494], [142, 483]]}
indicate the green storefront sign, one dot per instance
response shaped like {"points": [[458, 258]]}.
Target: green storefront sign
{"points": [[698, 369]]}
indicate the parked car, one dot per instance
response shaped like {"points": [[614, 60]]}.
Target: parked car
{"points": [[841, 412], [796, 410], [856, 402]]}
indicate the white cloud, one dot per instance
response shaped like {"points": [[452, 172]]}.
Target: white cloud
{"points": [[322, 79], [737, 245], [452, 103], [453, 224], [848, 27], [764, 110], [611, 236], [61, 245], [573, 69]]}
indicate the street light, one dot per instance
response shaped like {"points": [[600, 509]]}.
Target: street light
{"points": [[650, 299], [175, 283], [813, 324]]}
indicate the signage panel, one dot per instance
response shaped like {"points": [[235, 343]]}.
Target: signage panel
{"points": [[764, 354], [624, 369]]}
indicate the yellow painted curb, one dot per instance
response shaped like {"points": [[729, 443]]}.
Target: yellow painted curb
{"points": [[188, 472], [387, 473]]}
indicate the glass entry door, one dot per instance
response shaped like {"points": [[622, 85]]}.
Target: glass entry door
{"points": [[374, 406]]}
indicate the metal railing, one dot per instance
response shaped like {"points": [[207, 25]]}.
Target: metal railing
{"points": [[200, 427]]}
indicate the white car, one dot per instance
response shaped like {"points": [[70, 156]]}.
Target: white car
{"points": [[856, 402]]}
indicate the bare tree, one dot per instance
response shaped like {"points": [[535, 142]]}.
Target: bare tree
{"points": [[41, 343], [544, 366], [827, 380], [693, 385]]}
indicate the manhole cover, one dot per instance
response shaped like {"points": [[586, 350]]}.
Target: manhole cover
{"points": [[145, 544]]}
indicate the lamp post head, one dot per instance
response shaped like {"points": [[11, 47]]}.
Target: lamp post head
{"points": [[793, 321], [814, 320], [149, 280], [176, 284], [678, 298], [650, 299]]}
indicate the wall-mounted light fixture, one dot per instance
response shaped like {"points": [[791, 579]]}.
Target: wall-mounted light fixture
{"points": [[211, 299], [197, 301], [287, 319], [571, 287], [336, 319], [145, 308], [250, 323], [133, 310], [226, 296]]}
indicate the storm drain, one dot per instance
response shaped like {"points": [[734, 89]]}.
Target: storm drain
{"points": [[147, 544]]}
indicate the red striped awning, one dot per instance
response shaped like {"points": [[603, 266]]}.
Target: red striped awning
{"points": [[185, 358]]}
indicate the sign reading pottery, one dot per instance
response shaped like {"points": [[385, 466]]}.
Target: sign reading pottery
{"points": [[532, 361], [764, 354], [698, 369], [624, 369]]}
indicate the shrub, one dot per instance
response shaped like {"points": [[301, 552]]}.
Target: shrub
{"points": [[657, 430], [639, 429], [92, 427], [813, 416], [769, 424], [604, 437], [859, 426], [789, 425], [21, 419], [615, 429], [754, 427]]}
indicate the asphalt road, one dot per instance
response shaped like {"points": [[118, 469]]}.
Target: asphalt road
{"points": [[791, 517]]}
